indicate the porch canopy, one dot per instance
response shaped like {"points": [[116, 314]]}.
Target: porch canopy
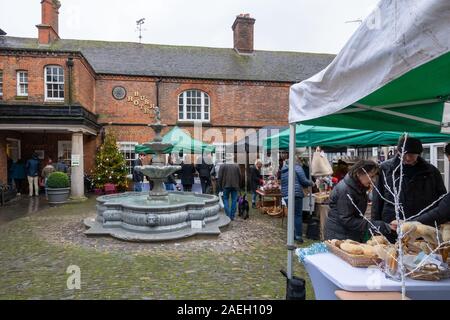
{"points": [[392, 75], [181, 142], [310, 136]]}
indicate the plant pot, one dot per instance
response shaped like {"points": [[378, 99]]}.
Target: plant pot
{"points": [[58, 195]]}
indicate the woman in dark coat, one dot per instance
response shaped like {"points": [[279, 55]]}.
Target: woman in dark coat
{"points": [[186, 174], [344, 220]]}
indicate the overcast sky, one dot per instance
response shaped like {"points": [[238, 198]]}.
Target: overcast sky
{"points": [[282, 25]]}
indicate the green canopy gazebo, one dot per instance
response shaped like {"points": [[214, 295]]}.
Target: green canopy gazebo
{"points": [[182, 142], [308, 136], [392, 75]]}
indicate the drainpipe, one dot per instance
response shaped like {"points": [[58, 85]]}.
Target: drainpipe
{"points": [[70, 64], [157, 91]]}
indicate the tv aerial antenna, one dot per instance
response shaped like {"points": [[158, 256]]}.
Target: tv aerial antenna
{"points": [[139, 24]]}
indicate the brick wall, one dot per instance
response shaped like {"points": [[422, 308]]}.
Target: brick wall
{"points": [[83, 84], [232, 104]]}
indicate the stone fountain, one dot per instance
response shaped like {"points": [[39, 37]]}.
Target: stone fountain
{"points": [[158, 215]]}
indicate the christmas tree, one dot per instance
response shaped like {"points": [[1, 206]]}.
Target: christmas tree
{"points": [[110, 165]]}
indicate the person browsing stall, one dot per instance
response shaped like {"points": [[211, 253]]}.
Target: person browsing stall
{"points": [[348, 201]]}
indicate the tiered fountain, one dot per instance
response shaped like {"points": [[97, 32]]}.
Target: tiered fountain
{"points": [[159, 215]]}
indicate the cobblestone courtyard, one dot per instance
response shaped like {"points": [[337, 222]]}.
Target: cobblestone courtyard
{"points": [[242, 263]]}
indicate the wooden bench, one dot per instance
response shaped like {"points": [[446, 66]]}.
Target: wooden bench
{"points": [[368, 295]]}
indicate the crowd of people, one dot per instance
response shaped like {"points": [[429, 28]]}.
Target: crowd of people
{"points": [[19, 171], [222, 178], [422, 195]]}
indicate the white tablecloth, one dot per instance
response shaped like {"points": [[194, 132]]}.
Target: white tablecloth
{"points": [[329, 273]]}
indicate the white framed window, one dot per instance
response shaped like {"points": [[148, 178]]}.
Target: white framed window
{"points": [[434, 154], [127, 149], [54, 83], [65, 151], [22, 83], [1, 83], [193, 105]]}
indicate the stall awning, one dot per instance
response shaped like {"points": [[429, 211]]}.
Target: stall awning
{"points": [[392, 75], [181, 142], [309, 136]]}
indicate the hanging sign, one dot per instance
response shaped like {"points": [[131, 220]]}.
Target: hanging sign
{"points": [[75, 160]]}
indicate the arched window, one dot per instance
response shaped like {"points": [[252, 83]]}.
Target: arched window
{"points": [[54, 83], [193, 105]]}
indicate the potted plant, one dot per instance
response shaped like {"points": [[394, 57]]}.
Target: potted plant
{"points": [[58, 187]]}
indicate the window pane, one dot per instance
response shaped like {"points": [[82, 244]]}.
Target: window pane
{"points": [[50, 93]]}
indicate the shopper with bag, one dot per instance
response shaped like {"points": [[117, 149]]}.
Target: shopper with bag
{"points": [[300, 182], [320, 165]]}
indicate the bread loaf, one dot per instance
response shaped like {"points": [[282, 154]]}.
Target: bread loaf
{"points": [[376, 240], [352, 248], [446, 232]]}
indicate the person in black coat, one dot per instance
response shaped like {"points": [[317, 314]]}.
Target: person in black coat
{"points": [[422, 183], [344, 219], [204, 166], [186, 174], [441, 213], [255, 180]]}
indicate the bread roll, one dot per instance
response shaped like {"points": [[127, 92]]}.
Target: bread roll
{"points": [[369, 251], [428, 233], [352, 248], [376, 240], [381, 251], [446, 232]]}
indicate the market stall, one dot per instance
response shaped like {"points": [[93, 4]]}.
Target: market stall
{"points": [[182, 142], [393, 77]]}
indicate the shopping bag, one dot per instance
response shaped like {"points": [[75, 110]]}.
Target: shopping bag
{"points": [[320, 165], [221, 200]]}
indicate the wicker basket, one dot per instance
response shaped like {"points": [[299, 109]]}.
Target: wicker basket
{"points": [[358, 261], [428, 273]]}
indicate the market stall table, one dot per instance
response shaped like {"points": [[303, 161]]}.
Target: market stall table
{"points": [[329, 273], [275, 196]]}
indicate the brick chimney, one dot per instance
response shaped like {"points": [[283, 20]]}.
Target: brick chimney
{"points": [[243, 34], [48, 29]]}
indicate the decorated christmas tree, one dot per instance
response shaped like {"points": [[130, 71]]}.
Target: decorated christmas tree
{"points": [[110, 165]]}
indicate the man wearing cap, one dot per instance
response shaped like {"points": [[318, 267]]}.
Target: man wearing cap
{"points": [[422, 182], [441, 213]]}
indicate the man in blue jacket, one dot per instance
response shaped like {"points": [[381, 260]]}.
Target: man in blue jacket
{"points": [[32, 168], [300, 181]]}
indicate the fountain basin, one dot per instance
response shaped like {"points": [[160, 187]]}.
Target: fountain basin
{"points": [[157, 172], [132, 216]]}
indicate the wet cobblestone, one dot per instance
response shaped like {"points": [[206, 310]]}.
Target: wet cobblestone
{"points": [[242, 263]]}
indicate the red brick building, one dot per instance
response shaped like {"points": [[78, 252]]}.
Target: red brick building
{"points": [[57, 95]]}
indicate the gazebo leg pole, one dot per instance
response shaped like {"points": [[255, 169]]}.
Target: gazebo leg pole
{"points": [[291, 200], [310, 194]]}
